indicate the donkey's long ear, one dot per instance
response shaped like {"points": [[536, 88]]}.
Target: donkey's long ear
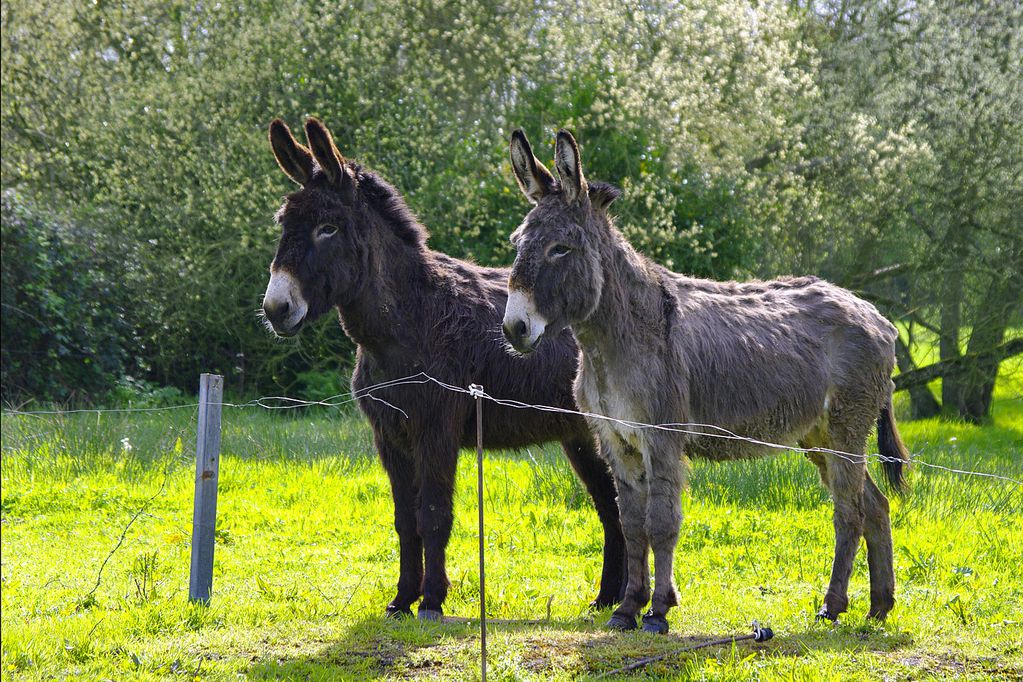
{"points": [[570, 168], [329, 158], [534, 179], [294, 159]]}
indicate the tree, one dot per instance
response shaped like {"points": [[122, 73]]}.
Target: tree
{"points": [[156, 114], [913, 178]]}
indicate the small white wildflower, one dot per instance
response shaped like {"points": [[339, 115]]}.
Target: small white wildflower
{"points": [[126, 444]]}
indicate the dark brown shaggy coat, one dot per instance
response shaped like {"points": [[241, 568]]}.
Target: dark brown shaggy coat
{"points": [[350, 242]]}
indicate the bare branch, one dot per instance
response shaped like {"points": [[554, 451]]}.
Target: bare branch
{"points": [[958, 365]]}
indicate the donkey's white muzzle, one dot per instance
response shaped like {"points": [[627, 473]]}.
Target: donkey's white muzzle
{"points": [[283, 303], [523, 325]]}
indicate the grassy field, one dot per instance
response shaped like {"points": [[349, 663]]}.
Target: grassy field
{"points": [[306, 560]]}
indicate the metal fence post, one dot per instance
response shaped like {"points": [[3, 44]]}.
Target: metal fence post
{"points": [[477, 392]]}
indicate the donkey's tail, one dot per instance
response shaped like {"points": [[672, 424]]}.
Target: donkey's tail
{"points": [[892, 449]]}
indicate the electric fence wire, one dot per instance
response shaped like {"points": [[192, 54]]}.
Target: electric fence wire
{"points": [[422, 378]]}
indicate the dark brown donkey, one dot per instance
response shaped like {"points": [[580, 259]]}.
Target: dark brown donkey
{"points": [[789, 361], [350, 242]]}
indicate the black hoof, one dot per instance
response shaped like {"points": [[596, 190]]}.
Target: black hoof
{"points": [[602, 603], [621, 623], [397, 612], [824, 614], [879, 609], [655, 624], [431, 615]]}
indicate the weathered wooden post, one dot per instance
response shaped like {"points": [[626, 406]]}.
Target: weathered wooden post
{"points": [[207, 470]]}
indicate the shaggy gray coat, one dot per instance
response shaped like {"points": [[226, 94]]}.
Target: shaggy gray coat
{"points": [[794, 361]]}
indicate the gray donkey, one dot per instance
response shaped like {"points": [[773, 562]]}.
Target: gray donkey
{"points": [[791, 361]]}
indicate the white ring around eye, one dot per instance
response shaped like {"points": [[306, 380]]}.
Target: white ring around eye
{"points": [[326, 230], [558, 251]]}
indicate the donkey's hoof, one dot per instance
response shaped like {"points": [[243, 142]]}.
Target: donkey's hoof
{"points": [[825, 615], [620, 623], [398, 613], [655, 624], [602, 602], [431, 615], [879, 608], [879, 614]]}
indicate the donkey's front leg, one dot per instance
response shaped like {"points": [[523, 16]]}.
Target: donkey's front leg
{"points": [[666, 473], [405, 490], [438, 460], [632, 494]]}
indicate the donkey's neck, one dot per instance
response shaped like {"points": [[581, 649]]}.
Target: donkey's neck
{"points": [[396, 275], [630, 299]]}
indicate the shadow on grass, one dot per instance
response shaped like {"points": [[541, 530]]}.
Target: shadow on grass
{"points": [[606, 652], [375, 648]]}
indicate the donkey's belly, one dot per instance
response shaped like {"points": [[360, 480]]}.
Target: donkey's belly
{"points": [[508, 428], [767, 434], [723, 447], [622, 419]]}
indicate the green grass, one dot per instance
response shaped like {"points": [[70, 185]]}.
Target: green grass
{"points": [[306, 559]]}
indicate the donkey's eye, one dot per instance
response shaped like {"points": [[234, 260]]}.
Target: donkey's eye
{"points": [[326, 230], [558, 250]]}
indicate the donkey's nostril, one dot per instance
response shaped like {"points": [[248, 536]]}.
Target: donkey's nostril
{"points": [[515, 330], [276, 310]]}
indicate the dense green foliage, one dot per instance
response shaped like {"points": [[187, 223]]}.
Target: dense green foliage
{"points": [[306, 559], [63, 332], [750, 139]]}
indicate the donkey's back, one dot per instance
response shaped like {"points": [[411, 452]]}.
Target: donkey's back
{"points": [[770, 359]]}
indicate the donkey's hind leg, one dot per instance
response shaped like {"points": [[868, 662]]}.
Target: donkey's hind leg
{"points": [[846, 482], [843, 476], [594, 473], [877, 530]]}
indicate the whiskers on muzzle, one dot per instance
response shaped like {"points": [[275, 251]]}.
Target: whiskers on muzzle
{"points": [[498, 336], [264, 321]]}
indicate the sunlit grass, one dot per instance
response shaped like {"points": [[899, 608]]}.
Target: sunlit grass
{"points": [[307, 558]]}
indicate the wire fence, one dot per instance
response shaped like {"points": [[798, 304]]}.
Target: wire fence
{"points": [[474, 391]]}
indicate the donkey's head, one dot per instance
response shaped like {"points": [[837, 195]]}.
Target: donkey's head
{"points": [[318, 255], [557, 276]]}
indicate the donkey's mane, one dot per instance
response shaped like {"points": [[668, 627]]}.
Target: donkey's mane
{"points": [[378, 194], [382, 196]]}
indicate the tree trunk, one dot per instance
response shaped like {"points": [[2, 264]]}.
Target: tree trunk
{"points": [[978, 381], [948, 341], [922, 402]]}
